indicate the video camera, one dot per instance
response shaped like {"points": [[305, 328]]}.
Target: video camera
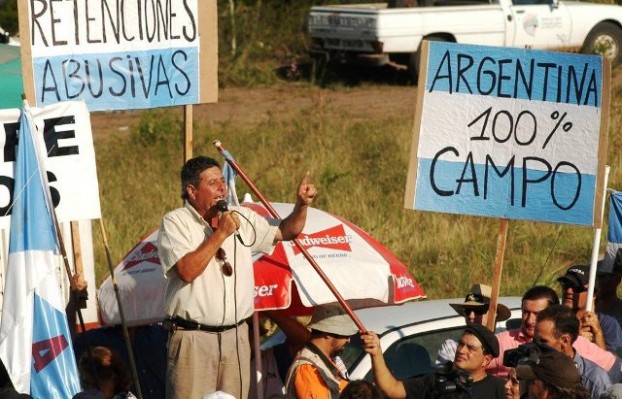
{"points": [[526, 353], [448, 379]]}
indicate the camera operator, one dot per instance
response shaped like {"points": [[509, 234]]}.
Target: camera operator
{"points": [[476, 348]]}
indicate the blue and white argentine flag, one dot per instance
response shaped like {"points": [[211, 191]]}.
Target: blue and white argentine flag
{"points": [[510, 133], [230, 175], [35, 344], [614, 229]]}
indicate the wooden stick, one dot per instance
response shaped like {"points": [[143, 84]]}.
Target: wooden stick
{"points": [[126, 335], [296, 242], [187, 132], [77, 252], [497, 272]]}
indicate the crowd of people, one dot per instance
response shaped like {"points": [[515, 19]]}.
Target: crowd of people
{"points": [[560, 350]]}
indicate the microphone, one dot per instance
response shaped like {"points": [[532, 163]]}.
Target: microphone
{"points": [[223, 207]]}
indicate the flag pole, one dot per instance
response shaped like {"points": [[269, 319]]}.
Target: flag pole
{"points": [[63, 252], [75, 299], [296, 242], [126, 335], [596, 247]]}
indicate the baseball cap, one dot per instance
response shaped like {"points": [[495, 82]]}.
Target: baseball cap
{"points": [[552, 367], [487, 338], [479, 295], [332, 319], [576, 276]]}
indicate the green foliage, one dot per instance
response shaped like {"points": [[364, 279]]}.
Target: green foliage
{"points": [[8, 17], [156, 125], [256, 37]]}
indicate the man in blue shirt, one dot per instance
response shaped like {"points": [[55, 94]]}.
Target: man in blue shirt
{"points": [[558, 327]]}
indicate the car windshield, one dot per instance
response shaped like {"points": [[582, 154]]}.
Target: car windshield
{"points": [[407, 357], [411, 355]]}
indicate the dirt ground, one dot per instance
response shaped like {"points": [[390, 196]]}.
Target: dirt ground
{"points": [[284, 102], [377, 96]]}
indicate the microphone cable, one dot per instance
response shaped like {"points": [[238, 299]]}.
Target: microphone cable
{"points": [[223, 207], [235, 310]]}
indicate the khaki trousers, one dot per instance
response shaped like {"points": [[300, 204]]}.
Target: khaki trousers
{"points": [[200, 362]]}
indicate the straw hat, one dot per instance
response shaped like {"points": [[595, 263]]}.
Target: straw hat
{"points": [[479, 296]]}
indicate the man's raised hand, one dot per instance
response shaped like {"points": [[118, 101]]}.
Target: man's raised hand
{"points": [[306, 191]]}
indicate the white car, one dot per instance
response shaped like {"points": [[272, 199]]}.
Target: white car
{"points": [[411, 334]]}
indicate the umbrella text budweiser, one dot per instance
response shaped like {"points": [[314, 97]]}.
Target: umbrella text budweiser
{"points": [[147, 253], [333, 238]]}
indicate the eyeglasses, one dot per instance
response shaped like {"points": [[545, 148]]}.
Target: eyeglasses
{"points": [[225, 266], [478, 310]]}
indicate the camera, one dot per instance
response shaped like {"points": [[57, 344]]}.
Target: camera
{"points": [[529, 352], [449, 380]]}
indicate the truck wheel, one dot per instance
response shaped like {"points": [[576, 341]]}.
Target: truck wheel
{"points": [[605, 39], [319, 65]]}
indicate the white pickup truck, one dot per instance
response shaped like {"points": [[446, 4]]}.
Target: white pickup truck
{"points": [[379, 34]]}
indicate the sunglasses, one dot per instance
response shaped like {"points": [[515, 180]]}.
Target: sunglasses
{"points": [[337, 336], [566, 286], [478, 310], [225, 266]]}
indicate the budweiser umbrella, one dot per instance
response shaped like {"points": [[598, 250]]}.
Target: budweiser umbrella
{"points": [[364, 272]]}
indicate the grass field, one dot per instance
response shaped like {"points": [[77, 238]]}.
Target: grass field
{"points": [[359, 165]]}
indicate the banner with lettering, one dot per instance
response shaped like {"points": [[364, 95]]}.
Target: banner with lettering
{"points": [[510, 133], [118, 55], [70, 160]]}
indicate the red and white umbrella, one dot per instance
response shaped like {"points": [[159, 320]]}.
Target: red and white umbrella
{"points": [[363, 271]]}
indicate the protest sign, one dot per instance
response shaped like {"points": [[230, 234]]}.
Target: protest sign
{"points": [[118, 55], [70, 160], [509, 133]]}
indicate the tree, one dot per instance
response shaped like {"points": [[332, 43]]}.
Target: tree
{"points": [[8, 16]]}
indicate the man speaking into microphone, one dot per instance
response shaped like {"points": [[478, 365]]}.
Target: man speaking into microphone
{"points": [[209, 294]]}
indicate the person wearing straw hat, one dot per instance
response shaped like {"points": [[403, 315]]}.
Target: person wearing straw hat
{"points": [[313, 373], [475, 309], [209, 295]]}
